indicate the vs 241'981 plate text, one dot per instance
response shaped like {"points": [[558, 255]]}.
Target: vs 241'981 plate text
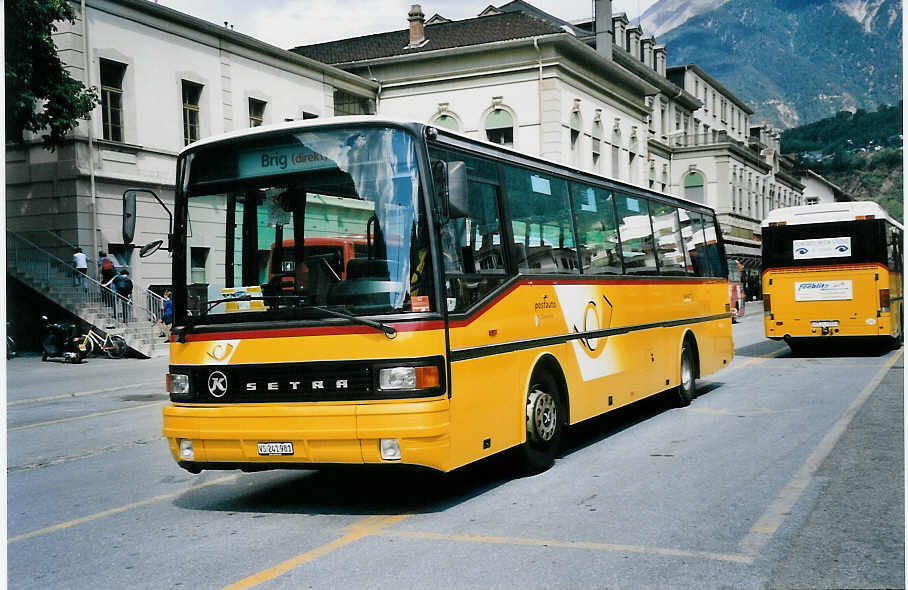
{"points": [[275, 448]]}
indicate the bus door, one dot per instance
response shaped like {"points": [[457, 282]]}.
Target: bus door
{"points": [[485, 396]]}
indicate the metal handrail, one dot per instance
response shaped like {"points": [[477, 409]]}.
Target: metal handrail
{"points": [[154, 302], [24, 254]]}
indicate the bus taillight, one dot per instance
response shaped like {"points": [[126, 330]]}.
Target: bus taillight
{"points": [[884, 300], [767, 306]]}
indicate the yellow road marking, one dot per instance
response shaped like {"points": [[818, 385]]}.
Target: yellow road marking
{"points": [[49, 398], [95, 415], [364, 528], [767, 525], [97, 515], [733, 557]]}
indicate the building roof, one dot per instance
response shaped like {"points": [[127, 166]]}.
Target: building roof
{"points": [[444, 35]]}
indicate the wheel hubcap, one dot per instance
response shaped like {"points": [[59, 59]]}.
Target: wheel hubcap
{"points": [[542, 416], [686, 371]]}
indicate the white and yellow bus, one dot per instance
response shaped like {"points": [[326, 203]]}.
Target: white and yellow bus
{"points": [[832, 271], [493, 299]]}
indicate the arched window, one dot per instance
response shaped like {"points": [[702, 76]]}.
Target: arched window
{"points": [[447, 121], [693, 187], [500, 127]]}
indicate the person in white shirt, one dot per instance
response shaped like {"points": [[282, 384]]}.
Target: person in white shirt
{"points": [[80, 261]]}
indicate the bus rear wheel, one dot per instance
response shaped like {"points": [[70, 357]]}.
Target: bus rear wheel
{"points": [[685, 390], [544, 425]]}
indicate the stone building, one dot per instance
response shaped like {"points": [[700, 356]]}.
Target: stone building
{"points": [[165, 79]]}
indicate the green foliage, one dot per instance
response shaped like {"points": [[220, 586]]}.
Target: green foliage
{"points": [[863, 154], [847, 132], [35, 76]]}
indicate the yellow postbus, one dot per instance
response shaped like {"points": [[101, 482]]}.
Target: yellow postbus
{"points": [[493, 300], [832, 271]]}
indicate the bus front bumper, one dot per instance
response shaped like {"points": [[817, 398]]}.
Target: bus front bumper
{"points": [[229, 436]]}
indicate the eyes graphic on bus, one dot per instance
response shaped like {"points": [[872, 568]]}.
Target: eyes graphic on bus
{"points": [[802, 251], [841, 248]]}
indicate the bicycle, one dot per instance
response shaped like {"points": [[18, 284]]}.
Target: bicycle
{"points": [[112, 345]]}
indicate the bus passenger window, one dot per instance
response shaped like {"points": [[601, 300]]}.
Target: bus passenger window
{"points": [[669, 247], [473, 260], [597, 233], [636, 234], [542, 224], [702, 246]]}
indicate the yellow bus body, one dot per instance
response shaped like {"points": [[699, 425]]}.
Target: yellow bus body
{"points": [[856, 312], [493, 354]]}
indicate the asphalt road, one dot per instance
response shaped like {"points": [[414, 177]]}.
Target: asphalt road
{"points": [[785, 472]]}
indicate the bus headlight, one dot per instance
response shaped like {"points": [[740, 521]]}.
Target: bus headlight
{"points": [[408, 378], [390, 449], [178, 383], [186, 451]]}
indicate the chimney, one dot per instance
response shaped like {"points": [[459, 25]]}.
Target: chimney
{"points": [[604, 38], [417, 26]]}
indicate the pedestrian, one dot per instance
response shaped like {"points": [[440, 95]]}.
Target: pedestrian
{"points": [[106, 273], [123, 286], [166, 316], [80, 261]]}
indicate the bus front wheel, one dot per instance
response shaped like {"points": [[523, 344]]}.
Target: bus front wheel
{"points": [[685, 390], [544, 425]]}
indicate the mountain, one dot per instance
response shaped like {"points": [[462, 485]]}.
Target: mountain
{"points": [[665, 15], [794, 61], [861, 152]]}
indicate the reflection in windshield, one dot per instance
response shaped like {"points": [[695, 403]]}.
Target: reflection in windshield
{"points": [[350, 197]]}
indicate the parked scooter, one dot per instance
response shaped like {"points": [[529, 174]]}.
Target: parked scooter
{"points": [[61, 340]]}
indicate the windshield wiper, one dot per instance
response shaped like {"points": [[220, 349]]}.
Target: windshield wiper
{"points": [[216, 302], [388, 330]]}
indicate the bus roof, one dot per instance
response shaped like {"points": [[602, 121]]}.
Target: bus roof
{"points": [[373, 120], [826, 212], [299, 124]]}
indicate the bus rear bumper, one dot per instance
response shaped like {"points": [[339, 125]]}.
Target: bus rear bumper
{"points": [[228, 437]]}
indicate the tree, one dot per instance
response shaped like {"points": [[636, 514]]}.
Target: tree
{"points": [[35, 76]]}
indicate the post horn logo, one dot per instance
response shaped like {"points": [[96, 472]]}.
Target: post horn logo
{"points": [[595, 317]]}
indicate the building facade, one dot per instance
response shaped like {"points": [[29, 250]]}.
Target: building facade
{"points": [[165, 79]]}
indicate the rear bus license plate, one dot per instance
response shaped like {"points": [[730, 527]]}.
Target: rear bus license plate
{"points": [[275, 448], [825, 323]]}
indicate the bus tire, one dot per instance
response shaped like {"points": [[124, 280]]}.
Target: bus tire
{"points": [[688, 369], [544, 424]]}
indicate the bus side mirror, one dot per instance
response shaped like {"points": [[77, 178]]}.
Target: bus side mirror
{"points": [[129, 221], [129, 216], [458, 200]]}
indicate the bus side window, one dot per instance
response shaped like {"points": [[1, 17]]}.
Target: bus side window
{"points": [[541, 221], [669, 247], [471, 249], [597, 233], [702, 246], [636, 234]]}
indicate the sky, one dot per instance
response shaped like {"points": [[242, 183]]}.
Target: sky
{"points": [[290, 23]]}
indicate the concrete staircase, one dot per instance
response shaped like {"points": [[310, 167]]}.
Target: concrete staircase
{"points": [[85, 297]]}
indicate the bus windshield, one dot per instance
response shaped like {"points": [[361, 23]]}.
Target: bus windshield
{"points": [[295, 221], [836, 242]]}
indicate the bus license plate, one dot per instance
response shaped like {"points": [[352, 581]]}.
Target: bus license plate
{"points": [[825, 323], [275, 448]]}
